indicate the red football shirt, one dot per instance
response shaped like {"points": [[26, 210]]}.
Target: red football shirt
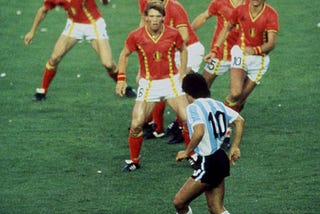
{"points": [[80, 11], [222, 9], [254, 30], [176, 16], [156, 56]]}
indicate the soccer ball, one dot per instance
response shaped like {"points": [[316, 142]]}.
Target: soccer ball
{"points": [[105, 1]]}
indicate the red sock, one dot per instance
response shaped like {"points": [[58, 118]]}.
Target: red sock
{"points": [[113, 75], [241, 107], [234, 107], [48, 75], [180, 122], [135, 144], [186, 137], [149, 118], [158, 116]]}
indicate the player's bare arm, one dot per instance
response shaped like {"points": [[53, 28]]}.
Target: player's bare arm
{"points": [[194, 141], [221, 38], [224, 34], [271, 43], [183, 30], [200, 20], [41, 13], [183, 61], [266, 47], [234, 153], [123, 64]]}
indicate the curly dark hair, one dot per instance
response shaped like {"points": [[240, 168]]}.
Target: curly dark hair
{"points": [[195, 85]]}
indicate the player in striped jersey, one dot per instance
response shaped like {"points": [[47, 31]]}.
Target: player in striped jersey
{"points": [[207, 121]]}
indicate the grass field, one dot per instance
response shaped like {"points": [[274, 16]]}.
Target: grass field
{"points": [[51, 152]]}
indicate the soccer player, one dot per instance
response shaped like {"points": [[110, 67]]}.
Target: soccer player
{"points": [[84, 22], [160, 79], [207, 121], [221, 63], [259, 25], [177, 17], [222, 9]]}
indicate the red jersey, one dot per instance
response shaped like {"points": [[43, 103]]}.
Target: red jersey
{"points": [[80, 11], [156, 56], [222, 9], [254, 30], [176, 16]]}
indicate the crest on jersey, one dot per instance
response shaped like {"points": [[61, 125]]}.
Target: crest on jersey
{"points": [[252, 32], [157, 56]]}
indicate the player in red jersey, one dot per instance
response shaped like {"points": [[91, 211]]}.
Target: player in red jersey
{"points": [[160, 79], [222, 9], [259, 25], [84, 22], [177, 17], [221, 64]]}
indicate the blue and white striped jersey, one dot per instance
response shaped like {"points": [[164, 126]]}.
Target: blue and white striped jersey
{"points": [[216, 117]]}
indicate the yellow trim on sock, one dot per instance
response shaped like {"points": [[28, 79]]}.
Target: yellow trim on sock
{"points": [[230, 103], [49, 66]]}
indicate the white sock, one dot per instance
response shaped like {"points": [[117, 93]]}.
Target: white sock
{"points": [[190, 210], [194, 157], [225, 212]]}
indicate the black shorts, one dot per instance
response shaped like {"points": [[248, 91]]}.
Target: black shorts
{"points": [[212, 169]]}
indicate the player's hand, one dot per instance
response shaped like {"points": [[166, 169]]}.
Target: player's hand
{"points": [[28, 38], [181, 155], [121, 88], [248, 51], [234, 154], [208, 58]]}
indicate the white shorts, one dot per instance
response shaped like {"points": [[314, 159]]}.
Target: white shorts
{"points": [[195, 56], [79, 31], [157, 90], [254, 65], [217, 66]]}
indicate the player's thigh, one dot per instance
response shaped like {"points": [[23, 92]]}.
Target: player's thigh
{"points": [[209, 78], [62, 46], [237, 80], [102, 47], [179, 105], [189, 191], [140, 112], [248, 88]]}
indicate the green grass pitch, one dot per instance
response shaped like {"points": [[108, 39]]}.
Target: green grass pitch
{"points": [[51, 152]]}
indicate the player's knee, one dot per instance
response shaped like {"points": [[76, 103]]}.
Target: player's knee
{"points": [[178, 204], [135, 132], [235, 94], [181, 207], [55, 60]]}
